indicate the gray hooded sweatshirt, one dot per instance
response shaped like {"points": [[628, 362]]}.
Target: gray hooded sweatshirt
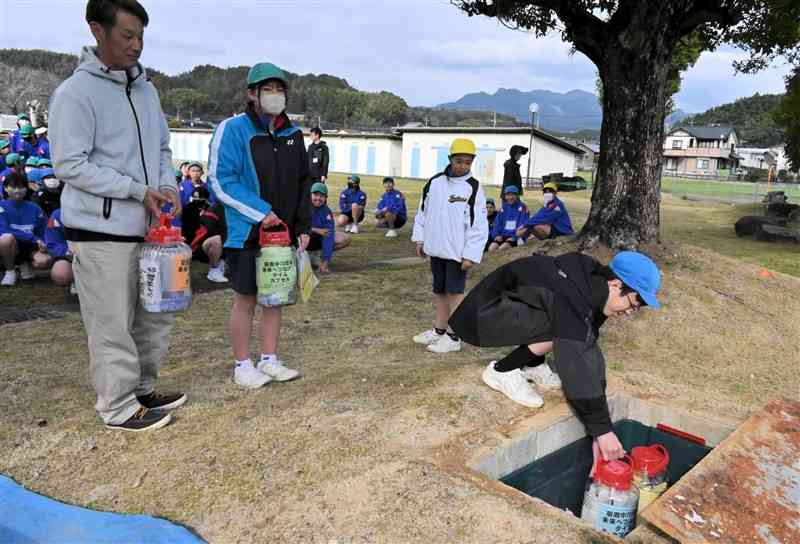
{"points": [[109, 141]]}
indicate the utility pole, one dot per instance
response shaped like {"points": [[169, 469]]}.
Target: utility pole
{"points": [[533, 109], [494, 119]]}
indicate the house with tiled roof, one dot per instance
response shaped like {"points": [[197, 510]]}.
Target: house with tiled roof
{"points": [[708, 150]]}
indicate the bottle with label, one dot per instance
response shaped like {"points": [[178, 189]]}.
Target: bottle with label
{"points": [[650, 472], [164, 269], [611, 500], [276, 268]]}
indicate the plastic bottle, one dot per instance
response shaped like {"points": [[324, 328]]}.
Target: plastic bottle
{"points": [[164, 269], [276, 268], [650, 472], [611, 500]]}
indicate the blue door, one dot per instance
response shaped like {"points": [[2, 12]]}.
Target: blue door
{"points": [[371, 160], [415, 162], [354, 159], [441, 158]]}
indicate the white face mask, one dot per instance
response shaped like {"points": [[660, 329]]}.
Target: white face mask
{"points": [[28, 169], [548, 198], [273, 103], [24, 123], [51, 183]]}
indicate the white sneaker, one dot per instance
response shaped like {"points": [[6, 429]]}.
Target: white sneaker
{"points": [[513, 385], [427, 338], [445, 344], [542, 375], [347, 227], [216, 274], [247, 376], [9, 278], [73, 289], [26, 272], [391, 233], [277, 371], [354, 229]]}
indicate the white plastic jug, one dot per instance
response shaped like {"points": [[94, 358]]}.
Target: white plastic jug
{"points": [[610, 502], [164, 269]]}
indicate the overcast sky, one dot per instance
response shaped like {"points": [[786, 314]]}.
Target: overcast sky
{"points": [[426, 51]]}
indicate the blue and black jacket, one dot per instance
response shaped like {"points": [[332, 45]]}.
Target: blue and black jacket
{"points": [[253, 172], [54, 235], [322, 218], [25, 220], [554, 214], [510, 218], [394, 202], [350, 196]]}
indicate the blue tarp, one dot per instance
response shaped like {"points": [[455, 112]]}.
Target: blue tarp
{"points": [[28, 518]]}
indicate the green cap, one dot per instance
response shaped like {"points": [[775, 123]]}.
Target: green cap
{"points": [[32, 161], [320, 188], [355, 179], [264, 71], [178, 173], [21, 116], [4, 143], [45, 162], [27, 130], [12, 159]]}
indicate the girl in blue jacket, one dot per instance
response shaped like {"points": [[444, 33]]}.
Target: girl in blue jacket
{"points": [[22, 225], [551, 220], [324, 237], [513, 215]]}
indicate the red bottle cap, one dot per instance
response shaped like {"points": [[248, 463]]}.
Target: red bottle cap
{"points": [[652, 460], [279, 237], [617, 474], [164, 234]]}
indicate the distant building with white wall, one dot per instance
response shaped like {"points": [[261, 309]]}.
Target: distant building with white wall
{"points": [[757, 157], [426, 149], [189, 144], [364, 153]]}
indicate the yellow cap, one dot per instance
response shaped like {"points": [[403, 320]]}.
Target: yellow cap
{"points": [[462, 146], [550, 185]]}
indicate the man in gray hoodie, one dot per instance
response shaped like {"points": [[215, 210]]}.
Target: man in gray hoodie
{"points": [[110, 146]]}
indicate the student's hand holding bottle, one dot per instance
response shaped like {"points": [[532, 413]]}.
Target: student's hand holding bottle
{"points": [[270, 220]]}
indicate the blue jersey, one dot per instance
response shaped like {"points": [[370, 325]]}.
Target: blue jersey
{"points": [[512, 217], [554, 214], [54, 235], [348, 197], [25, 220], [322, 218], [393, 202]]}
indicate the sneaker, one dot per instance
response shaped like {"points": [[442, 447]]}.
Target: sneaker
{"points": [[247, 376], [391, 233], [354, 229], [9, 278], [142, 420], [277, 371], [542, 375], [73, 290], [26, 272], [163, 402], [347, 227], [217, 275], [445, 344], [513, 385], [427, 338]]}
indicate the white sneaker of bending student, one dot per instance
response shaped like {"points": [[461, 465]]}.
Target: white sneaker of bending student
{"points": [[428, 337], [347, 227], [275, 369], [391, 233], [217, 273], [445, 344], [513, 385], [9, 278], [542, 375], [26, 272], [246, 375]]}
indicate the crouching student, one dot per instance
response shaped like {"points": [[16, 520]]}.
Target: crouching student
{"points": [[513, 215], [391, 212], [22, 225], [557, 304], [58, 249], [208, 240], [352, 202], [450, 227], [324, 238], [491, 215], [552, 219]]}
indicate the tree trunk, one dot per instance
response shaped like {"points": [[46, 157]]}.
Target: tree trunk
{"points": [[626, 197]]}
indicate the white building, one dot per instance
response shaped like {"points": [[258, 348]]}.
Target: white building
{"points": [[189, 144], [425, 151], [366, 153], [757, 157]]}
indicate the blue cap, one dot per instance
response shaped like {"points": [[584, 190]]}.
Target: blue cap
{"points": [[511, 189], [640, 273]]}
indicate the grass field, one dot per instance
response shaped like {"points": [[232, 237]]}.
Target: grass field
{"points": [[345, 454]]}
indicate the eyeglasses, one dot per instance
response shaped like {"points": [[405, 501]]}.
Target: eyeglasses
{"points": [[634, 301]]}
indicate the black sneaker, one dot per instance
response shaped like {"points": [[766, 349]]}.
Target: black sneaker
{"points": [[162, 402], [142, 420]]}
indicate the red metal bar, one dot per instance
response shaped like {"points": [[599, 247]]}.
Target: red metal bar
{"points": [[683, 434]]}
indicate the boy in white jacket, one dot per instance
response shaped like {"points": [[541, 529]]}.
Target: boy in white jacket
{"points": [[451, 228]]}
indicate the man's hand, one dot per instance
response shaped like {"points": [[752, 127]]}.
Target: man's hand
{"points": [[270, 220], [466, 264], [420, 251], [303, 241], [610, 446], [173, 197], [154, 201]]}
